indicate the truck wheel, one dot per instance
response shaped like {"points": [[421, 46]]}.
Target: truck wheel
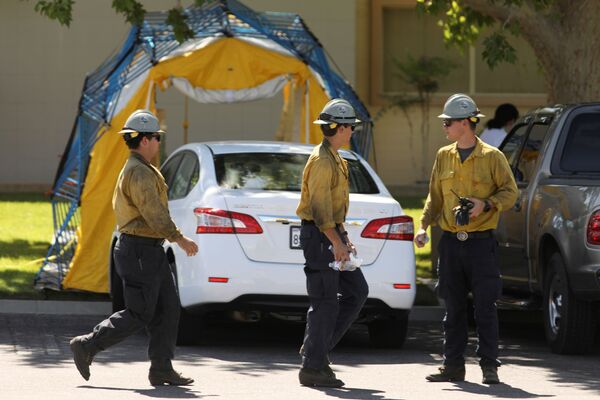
{"points": [[389, 332], [568, 322], [116, 286]]}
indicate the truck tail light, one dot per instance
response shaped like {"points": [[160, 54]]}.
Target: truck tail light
{"points": [[392, 228], [214, 220], [593, 228]]}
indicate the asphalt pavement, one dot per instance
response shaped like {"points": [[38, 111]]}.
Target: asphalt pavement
{"points": [[61, 307], [260, 361]]}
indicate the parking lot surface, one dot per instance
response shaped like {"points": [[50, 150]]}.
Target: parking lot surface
{"points": [[260, 361]]}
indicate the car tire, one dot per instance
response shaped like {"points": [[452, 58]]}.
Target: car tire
{"points": [[190, 328], [389, 332], [569, 323], [116, 285], [190, 325]]}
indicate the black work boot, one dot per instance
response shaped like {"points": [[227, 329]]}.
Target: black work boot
{"points": [[83, 354], [448, 373], [301, 352], [318, 377], [490, 374], [327, 368], [168, 377]]}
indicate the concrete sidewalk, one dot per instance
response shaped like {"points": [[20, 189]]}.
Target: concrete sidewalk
{"points": [[56, 307]]}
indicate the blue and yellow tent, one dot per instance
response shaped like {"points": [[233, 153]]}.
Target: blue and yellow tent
{"points": [[236, 55]]}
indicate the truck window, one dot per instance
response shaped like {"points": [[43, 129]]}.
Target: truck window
{"points": [[582, 146], [531, 152], [512, 147]]}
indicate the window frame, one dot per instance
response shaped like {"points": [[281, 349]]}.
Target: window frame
{"points": [[555, 165], [378, 97], [179, 157], [519, 159], [189, 188]]}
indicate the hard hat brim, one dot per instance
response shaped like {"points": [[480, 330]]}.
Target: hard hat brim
{"points": [[124, 131], [356, 121], [465, 117]]}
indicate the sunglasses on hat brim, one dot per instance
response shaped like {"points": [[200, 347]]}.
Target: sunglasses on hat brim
{"points": [[128, 135], [446, 122]]}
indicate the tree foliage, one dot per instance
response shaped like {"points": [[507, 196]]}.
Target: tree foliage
{"points": [[60, 10], [132, 10]]}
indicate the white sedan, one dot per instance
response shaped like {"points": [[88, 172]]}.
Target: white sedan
{"points": [[237, 200]]}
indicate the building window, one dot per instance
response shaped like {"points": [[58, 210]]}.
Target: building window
{"points": [[397, 31]]}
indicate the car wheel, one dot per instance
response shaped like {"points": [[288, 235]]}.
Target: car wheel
{"points": [[116, 285], [568, 322], [190, 325], [389, 332], [190, 328]]}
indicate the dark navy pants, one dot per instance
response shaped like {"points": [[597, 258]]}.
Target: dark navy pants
{"points": [[469, 266], [151, 300], [336, 298]]}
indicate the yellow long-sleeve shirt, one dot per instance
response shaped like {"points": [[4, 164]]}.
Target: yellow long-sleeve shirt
{"points": [[485, 174], [325, 191], [140, 201]]}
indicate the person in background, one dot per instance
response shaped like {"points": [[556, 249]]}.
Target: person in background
{"points": [[497, 128]]}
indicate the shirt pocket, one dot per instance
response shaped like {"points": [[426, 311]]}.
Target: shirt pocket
{"points": [[483, 184], [447, 182]]}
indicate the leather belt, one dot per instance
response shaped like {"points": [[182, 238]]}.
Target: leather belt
{"points": [[309, 222], [462, 235], [142, 239]]}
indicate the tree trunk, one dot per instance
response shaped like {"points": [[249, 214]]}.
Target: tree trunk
{"points": [[425, 99], [568, 48], [566, 41]]}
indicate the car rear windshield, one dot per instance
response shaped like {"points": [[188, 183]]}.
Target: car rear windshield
{"points": [[582, 147], [278, 171]]}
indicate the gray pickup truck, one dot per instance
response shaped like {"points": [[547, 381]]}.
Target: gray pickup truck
{"points": [[549, 242]]}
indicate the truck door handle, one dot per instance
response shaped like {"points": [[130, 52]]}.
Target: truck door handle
{"points": [[517, 206]]}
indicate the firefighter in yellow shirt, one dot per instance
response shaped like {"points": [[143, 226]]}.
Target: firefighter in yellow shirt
{"points": [[480, 175], [151, 300], [323, 206]]}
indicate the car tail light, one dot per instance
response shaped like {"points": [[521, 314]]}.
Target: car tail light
{"points": [[401, 285], [214, 220], [217, 279], [392, 228], [593, 228]]}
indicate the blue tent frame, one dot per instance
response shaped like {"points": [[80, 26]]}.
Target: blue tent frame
{"points": [[143, 47]]}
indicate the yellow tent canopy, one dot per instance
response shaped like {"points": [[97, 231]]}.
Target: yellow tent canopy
{"points": [[214, 68]]}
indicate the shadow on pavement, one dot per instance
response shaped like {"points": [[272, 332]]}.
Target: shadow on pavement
{"points": [[354, 393], [502, 391], [162, 392]]}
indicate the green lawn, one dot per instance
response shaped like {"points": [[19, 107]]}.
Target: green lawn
{"points": [[413, 206], [25, 234]]}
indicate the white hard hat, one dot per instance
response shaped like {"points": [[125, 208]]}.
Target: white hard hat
{"points": [[337, 111], [460, 106], [141, 121]]}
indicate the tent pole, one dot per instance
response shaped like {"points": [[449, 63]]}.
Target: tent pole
{"points": [[185, 123], [306, 128]]}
